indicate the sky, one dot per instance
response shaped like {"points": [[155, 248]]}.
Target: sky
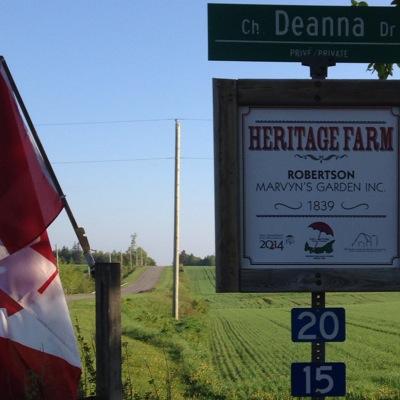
{"points": [[103, 82]]}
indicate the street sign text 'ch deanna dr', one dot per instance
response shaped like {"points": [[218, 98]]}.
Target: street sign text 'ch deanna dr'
{"points": [[239, 32]]}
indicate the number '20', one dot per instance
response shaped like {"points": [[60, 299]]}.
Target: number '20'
{"points": [[322, 322]]}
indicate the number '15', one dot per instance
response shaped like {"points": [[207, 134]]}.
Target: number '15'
{"points": [[319, 377]]}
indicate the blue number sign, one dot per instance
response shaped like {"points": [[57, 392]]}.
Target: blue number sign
{"points": [[318, 379], [318, 325]]}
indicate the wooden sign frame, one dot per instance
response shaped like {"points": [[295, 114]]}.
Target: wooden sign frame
{"points": [[229, 95]]}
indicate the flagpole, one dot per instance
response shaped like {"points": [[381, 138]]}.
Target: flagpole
{"points": [[79, 231]]}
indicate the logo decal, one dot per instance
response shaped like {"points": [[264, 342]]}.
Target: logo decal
{"points": [[321, 239], [275, 241], [366, 243]]}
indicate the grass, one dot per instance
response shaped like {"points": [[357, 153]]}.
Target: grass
{"points": [[150, 364], [238, 346], [133, 276], [75, 278]]}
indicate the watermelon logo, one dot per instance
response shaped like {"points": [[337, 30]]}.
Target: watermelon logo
{"points": [[321, 239]]}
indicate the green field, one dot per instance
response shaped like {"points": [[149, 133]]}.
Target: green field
{"points": [[238, 346], [252, 350]]}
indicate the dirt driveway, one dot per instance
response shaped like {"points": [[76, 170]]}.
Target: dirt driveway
{"points": [[146, 282]]}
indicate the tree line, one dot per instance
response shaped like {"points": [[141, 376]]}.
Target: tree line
{"points": [[190, 259], [133, 256]]}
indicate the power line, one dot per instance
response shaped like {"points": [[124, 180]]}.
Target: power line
{"points": [[197, 158], [120, 121], [112, 160], [103, 161], [110, 122], [196, 119]]}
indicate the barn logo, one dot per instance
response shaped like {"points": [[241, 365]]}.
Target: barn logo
{"points": [[366, 243]]}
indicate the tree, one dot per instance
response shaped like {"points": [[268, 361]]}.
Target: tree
{"points": [[382, 69], [75, 255], [71, 256], [131, 249], [101, 256], [190, 259], [133, 242], [209, 260], [150, 261], [64, 255], [183, 257]]}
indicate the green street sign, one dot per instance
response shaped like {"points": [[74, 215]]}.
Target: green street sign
{"points": [[239, 32]]}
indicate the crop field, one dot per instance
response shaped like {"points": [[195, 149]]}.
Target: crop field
{"points": [[238, 346], [250, 340]]}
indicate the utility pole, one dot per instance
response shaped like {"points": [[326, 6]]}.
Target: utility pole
{"points": [[175, 310], [57, 257]]}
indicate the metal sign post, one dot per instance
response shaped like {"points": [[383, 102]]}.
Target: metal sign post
{"points": [[318, 348], [318, 70]]}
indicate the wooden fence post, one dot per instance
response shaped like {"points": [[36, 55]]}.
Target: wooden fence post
{"points": [[108, 331]]}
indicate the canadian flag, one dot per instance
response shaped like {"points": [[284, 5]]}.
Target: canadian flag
{"points": [[38, 352], [28, 200]]}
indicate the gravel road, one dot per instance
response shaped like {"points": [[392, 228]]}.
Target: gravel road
{"points": [[146, 282]]}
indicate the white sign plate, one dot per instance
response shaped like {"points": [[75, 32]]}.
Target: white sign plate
{"points": [[320, 187]]}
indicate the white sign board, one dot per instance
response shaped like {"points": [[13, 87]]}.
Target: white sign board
{"points": [[319, 187]]}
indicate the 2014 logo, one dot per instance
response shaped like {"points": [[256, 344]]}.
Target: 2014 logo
{"points": [[275, 242]]}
